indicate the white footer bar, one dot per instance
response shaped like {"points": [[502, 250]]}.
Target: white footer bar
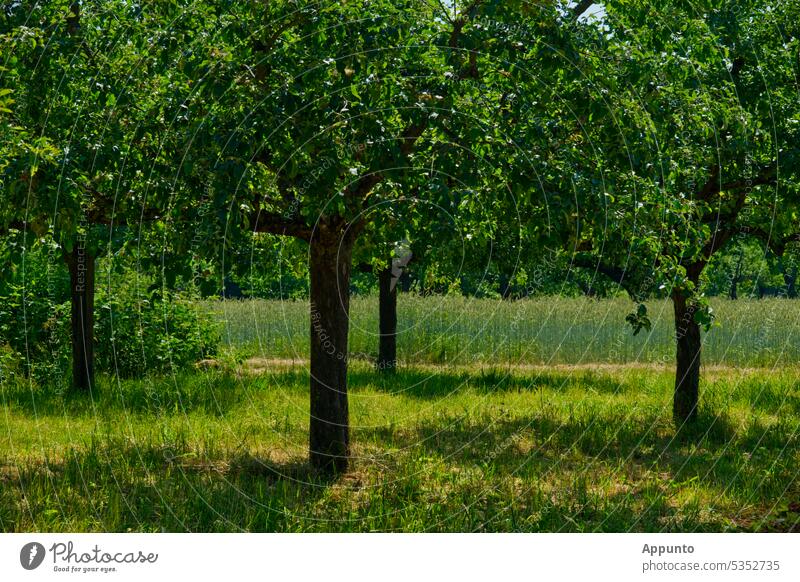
{"points": [[389, 557]]}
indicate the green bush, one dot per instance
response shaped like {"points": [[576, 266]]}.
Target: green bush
{"points": [[136, 331], [10, 364], [154, 331], [34, 321]]}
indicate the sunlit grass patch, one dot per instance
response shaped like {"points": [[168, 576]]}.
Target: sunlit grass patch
{"points": [[457, 448]]}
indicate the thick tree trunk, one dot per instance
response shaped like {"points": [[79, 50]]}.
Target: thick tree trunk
{"points": [[387, 348], [687, 373], [81, 277], [505, 286], [330, 264], [405, 281]]}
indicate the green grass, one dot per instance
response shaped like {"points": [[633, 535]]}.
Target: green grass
{"points": [[454, 329], [448, 448]]}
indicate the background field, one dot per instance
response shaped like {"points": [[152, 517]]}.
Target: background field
{"points": [[555, 330]]}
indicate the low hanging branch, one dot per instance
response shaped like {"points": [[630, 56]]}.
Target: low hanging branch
{"points": [[273, 223]]}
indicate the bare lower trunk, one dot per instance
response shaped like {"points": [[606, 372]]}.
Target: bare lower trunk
{"points": [[387, 349], [81, 277], [329, 438], [737, 275], [687, 373], [505, 286], [790, 278], [734, 292]]}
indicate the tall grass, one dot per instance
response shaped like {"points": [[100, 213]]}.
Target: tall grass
{"points": [[556, 330], [467, 450]]}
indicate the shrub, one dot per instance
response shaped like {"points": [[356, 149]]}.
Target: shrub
{"points": [[157, 330], [34, 330]]}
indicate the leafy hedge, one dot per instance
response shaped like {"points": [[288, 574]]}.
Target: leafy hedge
{"points": [[34, 320], [154, 331], [137, 329]]}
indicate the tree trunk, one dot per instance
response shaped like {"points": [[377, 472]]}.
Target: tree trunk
{"points": [[790, 278], [687, 373], [737, 275], [405, 281], [734, 293], [330, 264], [81, 277], [387, 349], [505, 286]]}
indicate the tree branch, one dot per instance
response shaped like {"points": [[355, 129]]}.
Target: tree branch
{"points": [[278, 224], [776, 244], [581, 7], [410, 136], [765, 176], [616, 274]]}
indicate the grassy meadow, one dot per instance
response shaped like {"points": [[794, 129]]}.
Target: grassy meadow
{"points": [[504, 417], [549, 330]]}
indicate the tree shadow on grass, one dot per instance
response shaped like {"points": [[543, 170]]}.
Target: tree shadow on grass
{"points": [[214, 393], [749, 464], [117, 488], [439, 384], [112, 485]]}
